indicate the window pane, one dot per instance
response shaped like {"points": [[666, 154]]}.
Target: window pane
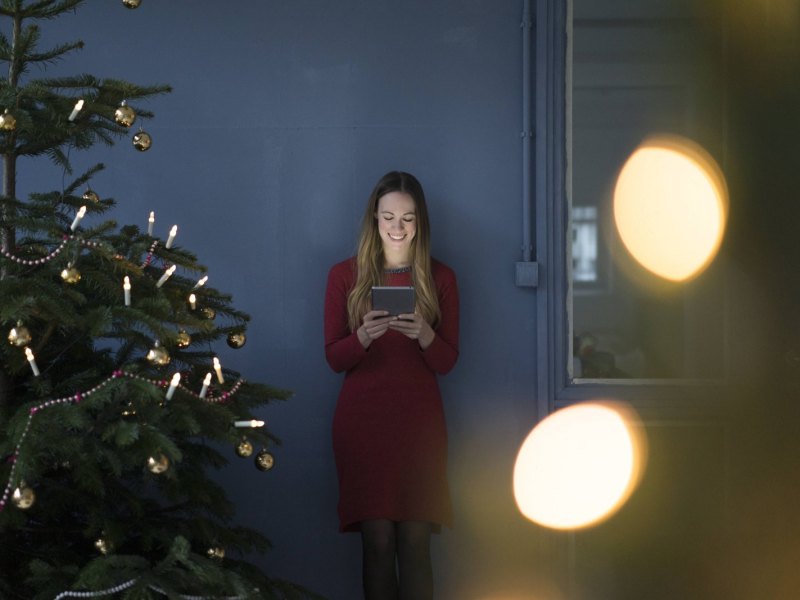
{"points": [[638, 69]]}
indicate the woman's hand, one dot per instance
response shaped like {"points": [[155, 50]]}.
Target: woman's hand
{"points": [[415, 327], [375, 324]]}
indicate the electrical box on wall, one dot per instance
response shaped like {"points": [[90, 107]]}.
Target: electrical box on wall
{"points": [[527, 274]]}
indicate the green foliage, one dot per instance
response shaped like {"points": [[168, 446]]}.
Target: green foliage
{"points": [[80, 434]]}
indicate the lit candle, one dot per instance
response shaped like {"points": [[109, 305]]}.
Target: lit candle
{"points": [[150, 223], [192, 301], [34, 368], [78, 217], [252, 423], [206, 383], [76, 110], [173, 384], [172, 233], [218, 369], [126, 286], [201, 282], [167, 274]]}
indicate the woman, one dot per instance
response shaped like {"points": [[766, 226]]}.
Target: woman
{"points": [[389, 433]]}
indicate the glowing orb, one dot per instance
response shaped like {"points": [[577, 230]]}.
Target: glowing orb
{"points": [[579, 465], [671, 207]]}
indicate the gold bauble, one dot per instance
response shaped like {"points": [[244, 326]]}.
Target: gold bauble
{"points": [[142, 141], [158, 356], [7, 121], [157, 464], [264, 461], [183, 339], [91, 196], [237, 339], [216, 552], [71, 275], [23, 497], [103, 545], [124, 115], [19, 336], [131, 3], [244, 448], [208, 313]]}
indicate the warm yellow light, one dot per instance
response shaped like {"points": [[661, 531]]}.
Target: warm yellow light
{"points": [[670, 207], [579, 465]]}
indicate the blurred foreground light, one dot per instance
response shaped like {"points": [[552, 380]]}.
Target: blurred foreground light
{"points": [[671, 207], [579, 465]]}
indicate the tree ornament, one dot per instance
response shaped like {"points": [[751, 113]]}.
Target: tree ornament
{"points": [[71, 274], [19, 336], [124, 115], [158, 355], [131, 3], [244, 448], [216, 552], [23, 497], [183, 339], [237, 339], [157, 464], [7, 121], [129, 410], [142, 141], [208, 313], [91, 196], [264, 460], [103, 545]]}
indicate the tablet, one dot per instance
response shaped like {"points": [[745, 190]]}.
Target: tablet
{"points": [[398, 300]]}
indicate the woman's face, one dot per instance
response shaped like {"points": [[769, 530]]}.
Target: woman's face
{"points": [[397, 221]]}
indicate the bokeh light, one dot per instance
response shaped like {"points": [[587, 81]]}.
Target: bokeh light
{"points": [[579, 465], [671, 207]]}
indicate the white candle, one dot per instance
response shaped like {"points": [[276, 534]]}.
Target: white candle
{"points": [[201, 282], [252, 423], [76, 110], [173, 384], [192, 301], [126, 286], [172, 233], [167, 274], [206, 383], [218, 369], [78, 217], [34, 368], [150, 222]]}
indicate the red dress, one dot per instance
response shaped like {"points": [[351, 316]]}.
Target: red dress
{"points": [[389, 434]]}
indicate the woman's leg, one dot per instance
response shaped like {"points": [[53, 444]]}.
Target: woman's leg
{"points": [[414, 560], [379, 567]]}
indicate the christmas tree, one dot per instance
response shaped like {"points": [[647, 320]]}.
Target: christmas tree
{"points": [[113, 404]]}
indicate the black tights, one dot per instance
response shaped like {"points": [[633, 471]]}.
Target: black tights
{"points": [[392, 548]]}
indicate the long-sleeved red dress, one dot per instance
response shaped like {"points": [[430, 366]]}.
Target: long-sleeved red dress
{"points": [[389, 434]]}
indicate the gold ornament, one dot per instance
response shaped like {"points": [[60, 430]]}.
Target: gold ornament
{"points": [[157, 464], [183, 339], [244, 448], [124, 115], [158, 355], [208, 313], [237, 339], [91, 196], [103, 545], [19, 336], [7, 121], [131, 3], [71, 275], [264, 460], [23, 497], [142, 141], [216, 552]]}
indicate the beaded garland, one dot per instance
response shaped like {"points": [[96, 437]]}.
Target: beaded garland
{"points": [[123, 586], [79, 396]]}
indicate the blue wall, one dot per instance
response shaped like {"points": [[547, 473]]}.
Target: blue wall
{"points": [[283, 116]]}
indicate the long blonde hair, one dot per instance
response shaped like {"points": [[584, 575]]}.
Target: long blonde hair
{"points": [[370, 259]]}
